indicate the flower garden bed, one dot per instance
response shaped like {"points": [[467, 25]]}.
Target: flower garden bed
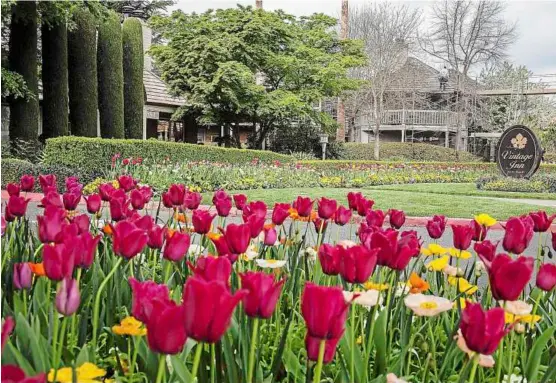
{"points": [[285, 298]]}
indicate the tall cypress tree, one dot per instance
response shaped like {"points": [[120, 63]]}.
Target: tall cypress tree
{"points": [[110, 77], [83, 92], [132, 36], [55, 79], [24, 113]]}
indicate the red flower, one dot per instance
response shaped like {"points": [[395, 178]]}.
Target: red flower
{"points": [[375, 218], [223, 206], [94, 202], [436, 226], [192, 200], [353, 200], [128, 239], [137, 199], [508, 277], [51, 224], [212, 269], [240, 200], [486, 250], [202, 221], [280, 213], [357, 263], [463, 234], [303, 205], [324, 311], [105, 191], [87, 245], [119, 208], [13, 189], [144, 296], [397, 218], [22, 276], [176, 247], [127, 182], [58, 261], [519, 232], [257, 208], [312, 345], [165, 331], [482, 330], [7, 328], [394, 253], [327, 207], [68, 297], [219, 194], [176, 194], [263, 294], [270, 235], [342, 216], [546, 278], [255, 224], [364, 205], [237, 237], [479, 231], [71, 200], [13, 374], [166, 200], [329, 258], [27, 183], [541, 221], [17, 206], [52, 198], [156, 236], [47, 181], [125, 161], [208, 308], [221, 246]]}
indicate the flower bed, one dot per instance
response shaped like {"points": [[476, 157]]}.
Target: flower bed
{"points": [[540, 183], [112, 295]]}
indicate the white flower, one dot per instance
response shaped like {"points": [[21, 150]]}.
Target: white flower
{"points": [[402, 289], [427, 305], [392, 378], [250, 254], [452, 270], [517, 307], [514, 379], [484, 360], [346, 243], [310, 253], [367, 298], [195, 250], [270, 263]]}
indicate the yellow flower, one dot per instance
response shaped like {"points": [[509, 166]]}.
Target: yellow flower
{"points": [[129, 326], [462, 303], [530, 319], [433, 249], [485, 220], [376, 286], [463, 285], [456, 253], [86, 373], [438, 264], [359, 339]]}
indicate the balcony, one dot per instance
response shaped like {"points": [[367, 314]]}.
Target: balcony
{"points": [[424, 120]]}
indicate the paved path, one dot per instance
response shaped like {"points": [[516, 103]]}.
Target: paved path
{"points": [[528, 201]]}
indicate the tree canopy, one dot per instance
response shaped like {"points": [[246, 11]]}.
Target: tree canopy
{"points": [[245, 65]]}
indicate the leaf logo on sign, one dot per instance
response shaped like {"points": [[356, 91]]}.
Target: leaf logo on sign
{"points": [[519, 142]]}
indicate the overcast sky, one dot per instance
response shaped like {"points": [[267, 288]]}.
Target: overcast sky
{"points": [[535, 47]]}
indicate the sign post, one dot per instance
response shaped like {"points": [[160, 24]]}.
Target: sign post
{"points": [[519, 152], [323, 141]]}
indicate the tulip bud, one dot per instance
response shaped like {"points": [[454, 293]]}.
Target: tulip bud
{"points": [[23, 277], [68, 297]]}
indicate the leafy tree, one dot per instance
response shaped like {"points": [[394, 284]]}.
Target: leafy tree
{"points": [[132, 36], [240, 65], [83, 91], [149, 7], [110, 78]]}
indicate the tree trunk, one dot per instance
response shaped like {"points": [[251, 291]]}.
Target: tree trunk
{"points": [[377, 142]]}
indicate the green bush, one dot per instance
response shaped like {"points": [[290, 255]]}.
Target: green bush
{"points": [[401, 151], [132, 37], [13, 169], [540, 183], [94, 154], [549, 158]]}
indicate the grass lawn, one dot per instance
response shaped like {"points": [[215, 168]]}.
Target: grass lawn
{"points": [[414, 203], [468, 189]]}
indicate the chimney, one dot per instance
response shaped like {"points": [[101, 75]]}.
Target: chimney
{"points": [[259, 4], [147, 42]]}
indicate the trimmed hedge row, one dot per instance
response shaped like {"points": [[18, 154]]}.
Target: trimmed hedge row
{"points": [[540, 183], [94, 154], [406, 151], [13, 169]]}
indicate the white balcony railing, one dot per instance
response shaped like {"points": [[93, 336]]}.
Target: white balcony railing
{"points": [[417, 117]]}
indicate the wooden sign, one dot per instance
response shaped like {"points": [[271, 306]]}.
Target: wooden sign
{"points": [[519, 152]]}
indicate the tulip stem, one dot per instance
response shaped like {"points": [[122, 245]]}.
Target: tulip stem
{"points": [[352, 364], [475, 362], [500, 361], [318, 368], [97, 302], [161, 368], [252, 350], [196, 360]]}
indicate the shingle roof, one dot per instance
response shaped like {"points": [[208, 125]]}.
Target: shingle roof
{"points": [[157, 92]]}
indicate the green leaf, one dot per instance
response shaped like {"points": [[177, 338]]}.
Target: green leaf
{"points": [[180, 369], [293, 366], [379, 339], [82, 357], [26, 334], [534, 360]]}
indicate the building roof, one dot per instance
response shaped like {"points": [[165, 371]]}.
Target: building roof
{"points": [[157, 92]]}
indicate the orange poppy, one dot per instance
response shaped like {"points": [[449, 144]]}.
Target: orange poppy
{"points": [[37, 268], [107, 229], [417, 284]]}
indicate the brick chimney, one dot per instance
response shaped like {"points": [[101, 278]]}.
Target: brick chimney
{"points": [[259, 4]]}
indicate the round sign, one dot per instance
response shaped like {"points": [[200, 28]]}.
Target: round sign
{"points": [[519, 152]]}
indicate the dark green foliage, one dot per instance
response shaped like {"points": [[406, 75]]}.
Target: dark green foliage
{"points": [[110, 78], [132, 37], [406, 151], [303, 138], [55, 80], [24, 112], [149, 7], [95, 153], [83, 94]]}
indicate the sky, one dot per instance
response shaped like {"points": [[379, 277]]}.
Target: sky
{"points": [[536, 23]]}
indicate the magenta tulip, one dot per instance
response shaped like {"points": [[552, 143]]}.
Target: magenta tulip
{"points": [[342, 216], [303, 205], [280, 212], [137, 199], [327, 207], [397, 218], [27, 183], [128, 239], [47, 182], [165, 330], [68, 297], [156, 236], [463, 234], [94, 203], [177, 244], [518, 235], [58, 261], [263, 294], [240, 200], [508, 277], [375, 218], [541, 221], [51, 224], [212, 269], [546, 277], [192, 200], [144, 296], [22, 276], [357, 263], [486, 250], [482, 330], [127, 182], [202, 221], [436, 226], [12, 189], [17, 206]]}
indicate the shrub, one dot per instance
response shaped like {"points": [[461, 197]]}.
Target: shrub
{"points": [[540, 183], [94, 154], [83, 92], [406, 151], [13, 169], [132, 37], [549, 158]]}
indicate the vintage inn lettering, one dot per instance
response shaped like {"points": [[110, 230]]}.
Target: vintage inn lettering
{"points": [[519, 160], [519, 152]]}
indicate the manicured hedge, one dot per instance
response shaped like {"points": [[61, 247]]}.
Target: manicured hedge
{"points": [[132, 38], [539, 183], [96, 153], [405, 151]]}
